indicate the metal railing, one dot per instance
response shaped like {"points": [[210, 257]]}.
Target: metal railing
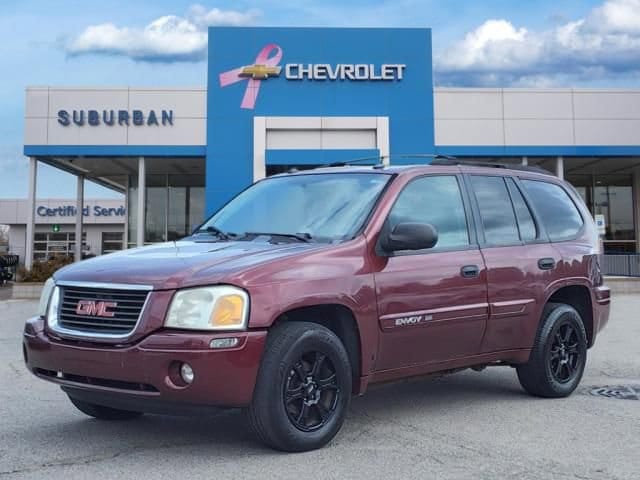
{"points": [[8, 265], [627, 265]]}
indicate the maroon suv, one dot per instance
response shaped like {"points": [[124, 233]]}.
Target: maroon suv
{"points": [[307, 287]]}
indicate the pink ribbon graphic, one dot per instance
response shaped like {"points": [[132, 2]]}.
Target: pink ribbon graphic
{"points": [[253, 86]]}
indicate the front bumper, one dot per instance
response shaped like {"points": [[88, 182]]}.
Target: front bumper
{"points": [[143, 375]]}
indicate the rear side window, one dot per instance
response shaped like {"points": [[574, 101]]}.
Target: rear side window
{"points": [[498, 218], [556, 210], [526, 224], [435, 200]]}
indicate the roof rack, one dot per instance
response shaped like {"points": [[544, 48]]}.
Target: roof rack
{"points": [[345, 163], [380, 159], [476, 163], [436, 159]]}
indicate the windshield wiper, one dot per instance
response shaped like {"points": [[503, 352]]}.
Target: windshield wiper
{"points": [[301, 237], [215, 231]]}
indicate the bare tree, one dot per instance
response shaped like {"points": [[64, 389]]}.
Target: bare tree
{"points": [[4, 234]]}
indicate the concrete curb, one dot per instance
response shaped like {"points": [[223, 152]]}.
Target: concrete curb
{"points": [[26, 291], [623, 285]]}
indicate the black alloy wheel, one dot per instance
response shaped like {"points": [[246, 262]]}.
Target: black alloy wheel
{"points": [[559, 354], [311, 391], [303, 388], [564, 354]]}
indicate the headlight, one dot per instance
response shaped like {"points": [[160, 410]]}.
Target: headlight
{"points": [[49, 285], [210, 308]]}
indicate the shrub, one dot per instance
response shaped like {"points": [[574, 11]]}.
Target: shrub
{"points": [[41, 271]]}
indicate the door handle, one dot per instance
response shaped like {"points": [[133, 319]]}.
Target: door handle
{"points": [[470, 271], [546, 264]]}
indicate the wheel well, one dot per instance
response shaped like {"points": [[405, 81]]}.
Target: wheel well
{"points": [[340, 320], [579, 298]]}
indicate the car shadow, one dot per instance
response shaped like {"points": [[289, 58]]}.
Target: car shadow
{"points": [[432, 394], [80, 439]]}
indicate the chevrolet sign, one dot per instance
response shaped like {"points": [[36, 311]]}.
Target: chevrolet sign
{"points": [[344, 71]]}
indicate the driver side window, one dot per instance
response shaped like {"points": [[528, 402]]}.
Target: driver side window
{"points": [[435, 200]]}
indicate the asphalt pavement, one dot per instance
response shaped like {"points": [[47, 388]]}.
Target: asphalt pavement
{"points": [[5, 292], [465, 426]]}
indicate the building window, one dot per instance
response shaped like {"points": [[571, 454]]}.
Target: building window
{"points": [[112, 242], [610, 195], [174, 206], [48, 245], [612, 198], [156, 207]]}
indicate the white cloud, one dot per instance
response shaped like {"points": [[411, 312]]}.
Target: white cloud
{"points": [[169, 38], [603, 45], [203, 18], [620, 16]]}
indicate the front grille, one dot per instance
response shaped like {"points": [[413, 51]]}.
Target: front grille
{"points": [[102, 311]]}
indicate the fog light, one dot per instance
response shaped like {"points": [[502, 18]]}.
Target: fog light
{"points": [[186, 372], [224, 342]]}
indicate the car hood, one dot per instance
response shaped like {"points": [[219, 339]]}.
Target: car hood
{"points": [[181, 264]]}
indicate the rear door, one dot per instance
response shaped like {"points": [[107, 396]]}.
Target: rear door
{"points": [[520, 261], [432, 303]]}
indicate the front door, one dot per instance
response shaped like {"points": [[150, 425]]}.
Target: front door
{"points": [[432, 304]]}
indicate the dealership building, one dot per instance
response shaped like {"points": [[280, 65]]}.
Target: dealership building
{"points": [[282, 98], [54, 230]]}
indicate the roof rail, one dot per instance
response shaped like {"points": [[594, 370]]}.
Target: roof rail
{"points": [[380, 159], [476, 163], [436, 159]]}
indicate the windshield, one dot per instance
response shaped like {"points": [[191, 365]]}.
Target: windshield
{"points": [[318, 207]]}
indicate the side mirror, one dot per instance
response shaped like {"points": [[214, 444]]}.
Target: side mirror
{"points": [[410, 236]]}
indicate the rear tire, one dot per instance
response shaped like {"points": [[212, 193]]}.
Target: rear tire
{"points": [[103, 413], [303, 388], [559, 354]]}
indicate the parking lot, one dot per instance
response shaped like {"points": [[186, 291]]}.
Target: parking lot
{"points": [[465, 426]]}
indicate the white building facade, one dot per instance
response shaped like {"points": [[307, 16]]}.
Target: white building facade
{"points": [[54, 230]]}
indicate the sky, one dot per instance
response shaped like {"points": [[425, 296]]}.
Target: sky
{"points": [[504, 43]]}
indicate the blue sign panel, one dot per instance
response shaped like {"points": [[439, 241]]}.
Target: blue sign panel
{"points": [[312, 72]]}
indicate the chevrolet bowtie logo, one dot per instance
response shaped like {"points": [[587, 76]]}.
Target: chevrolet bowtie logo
{"points": [[260, 72], [264, 66]]}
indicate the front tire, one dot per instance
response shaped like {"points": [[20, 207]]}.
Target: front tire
{"points": [[559, 354], [303, 388], [103, 413]]}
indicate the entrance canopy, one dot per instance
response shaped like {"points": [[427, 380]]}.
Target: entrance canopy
{"points": [[116, 172]]}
